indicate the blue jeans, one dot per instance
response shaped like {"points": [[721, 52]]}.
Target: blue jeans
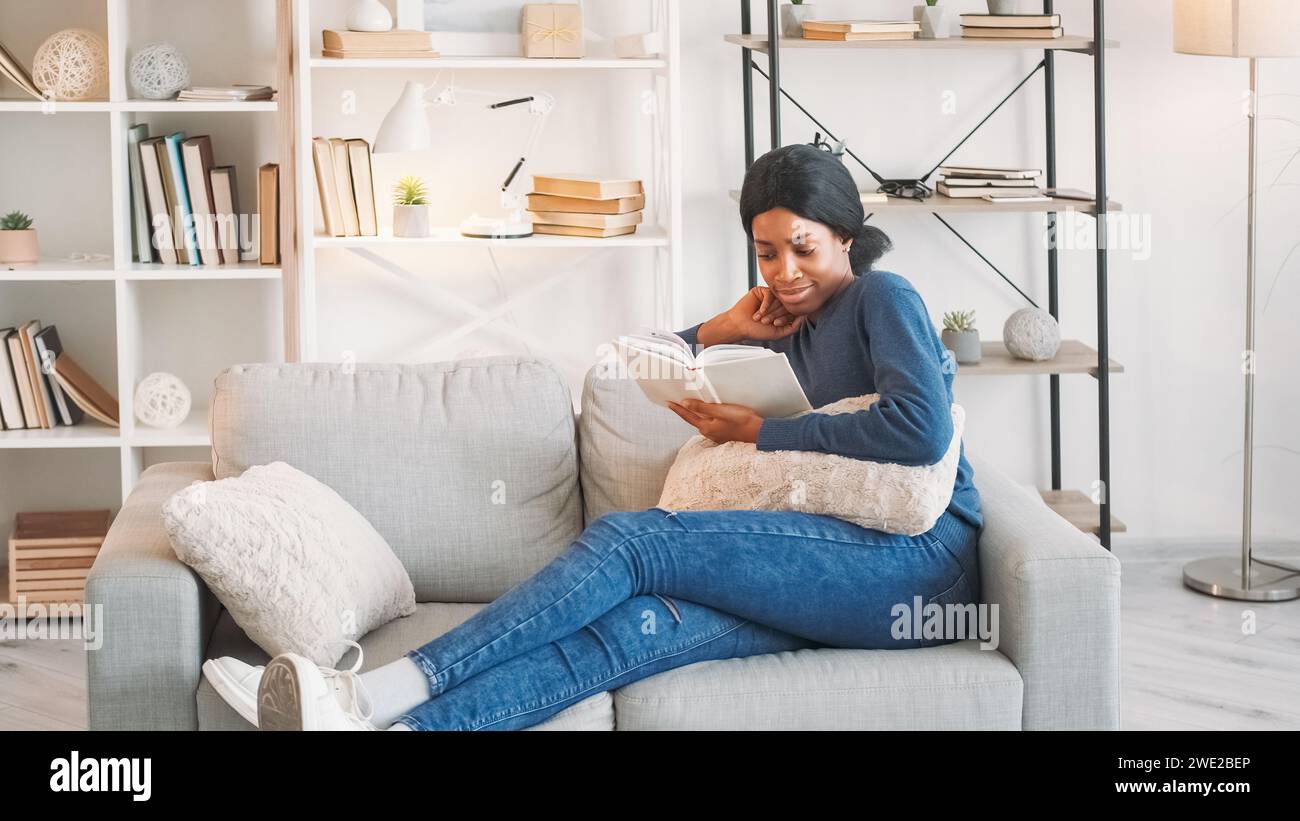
{"points": [[642, 592]]}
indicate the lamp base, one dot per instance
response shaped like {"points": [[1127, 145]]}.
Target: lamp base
{"points": [[495, 228], [1221, 576]]}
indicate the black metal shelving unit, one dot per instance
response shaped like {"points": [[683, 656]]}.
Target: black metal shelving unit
{"points": [[1094, 48]]}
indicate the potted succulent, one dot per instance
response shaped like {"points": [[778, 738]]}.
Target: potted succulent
{"points": [[792, 16], [933, 19], [410, 208], [18, 238], [961, 337]]}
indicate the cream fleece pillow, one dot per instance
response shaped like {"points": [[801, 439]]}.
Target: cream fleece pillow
{"points": [[738, 476], [298, 568]]}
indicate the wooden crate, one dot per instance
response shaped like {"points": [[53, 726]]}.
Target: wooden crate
{"points": [[50, 554]]}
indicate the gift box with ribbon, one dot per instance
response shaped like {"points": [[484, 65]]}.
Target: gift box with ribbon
{"points": [[552, 30]]}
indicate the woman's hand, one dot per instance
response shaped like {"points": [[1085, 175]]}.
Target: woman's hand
{"points": [[760, 315], [720, 421]]}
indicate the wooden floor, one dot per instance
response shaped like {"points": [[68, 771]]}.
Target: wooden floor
{"points": [[1186, 662]]}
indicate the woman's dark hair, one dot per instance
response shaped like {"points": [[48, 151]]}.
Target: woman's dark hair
{"points": [[815, 185]]}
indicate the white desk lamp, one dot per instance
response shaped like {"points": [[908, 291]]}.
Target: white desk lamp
{"points": [[406, 128], [1253, 29]]}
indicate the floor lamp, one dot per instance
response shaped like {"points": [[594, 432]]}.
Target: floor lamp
{"points": [[1251, 29]]}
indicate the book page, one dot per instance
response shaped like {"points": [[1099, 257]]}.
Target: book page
{"points": [[766, 384]]}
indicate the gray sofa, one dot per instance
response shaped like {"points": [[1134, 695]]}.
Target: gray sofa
{"points": [[478, 472]]}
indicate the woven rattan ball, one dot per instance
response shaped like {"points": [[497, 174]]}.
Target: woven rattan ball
{"points": [[71, 65], [162, 400], [158, 71]]}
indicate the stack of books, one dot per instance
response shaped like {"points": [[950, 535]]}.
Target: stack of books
{"points": [[346, 187], [578, 206], [226, 94], [844, 30], [185, 208], [1023, 26], [398, 43], [42, 387], [992, 184]]}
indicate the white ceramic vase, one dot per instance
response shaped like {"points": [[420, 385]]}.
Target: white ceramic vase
{"points": [[369, 15], [411, 221], [933, 20]]}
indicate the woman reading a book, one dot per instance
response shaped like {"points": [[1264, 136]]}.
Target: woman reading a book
{"points": [[642, 592]]}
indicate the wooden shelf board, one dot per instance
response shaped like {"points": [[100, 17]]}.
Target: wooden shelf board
{"points": [[1069, 42], [159, 271], [642, 237], [28, 104], [1072, 357], [939, 204], [581, 63], [88, 434], [1079, 510]]}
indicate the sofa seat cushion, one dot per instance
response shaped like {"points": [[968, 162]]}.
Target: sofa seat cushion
{"points": [[385, 644], [954, 686]]}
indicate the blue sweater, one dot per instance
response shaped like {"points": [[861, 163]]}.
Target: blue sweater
{"points": [[874, 336]]}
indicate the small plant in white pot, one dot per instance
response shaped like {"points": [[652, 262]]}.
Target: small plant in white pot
{"points": [[933, 19], [792, 16], [961, 336], [18, 238], [410, 208]]}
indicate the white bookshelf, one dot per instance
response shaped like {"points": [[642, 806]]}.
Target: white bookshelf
{"points": [[433, 262], [66, 164]]}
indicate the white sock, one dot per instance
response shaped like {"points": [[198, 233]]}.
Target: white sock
{"points": [[395, 689]]}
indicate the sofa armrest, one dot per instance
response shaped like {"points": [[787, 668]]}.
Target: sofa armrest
{"points": [[1058, 597], [156, 618]]}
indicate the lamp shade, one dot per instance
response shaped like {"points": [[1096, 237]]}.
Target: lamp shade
{"points": [[405, 126], [1237, 28]]}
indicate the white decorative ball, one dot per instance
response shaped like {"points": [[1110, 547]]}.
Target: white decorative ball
{"points": [[158, 71], [1031, 333], [162, 400], [71, 65]]}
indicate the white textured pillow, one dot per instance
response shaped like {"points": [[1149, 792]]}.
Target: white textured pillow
{"points": [[738, 476], [298, 568]]}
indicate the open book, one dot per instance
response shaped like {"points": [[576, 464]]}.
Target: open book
{"points": [[758, 378]]}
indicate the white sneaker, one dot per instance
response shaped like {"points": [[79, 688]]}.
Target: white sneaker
{"points": [[297, 694], [236, 683]]}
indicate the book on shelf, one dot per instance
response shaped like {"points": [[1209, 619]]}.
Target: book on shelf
{"points": [[860, 26], [179, 194], [88, 394], [11, 405], [570, 218], [141, 245], [399, 43], [1014, 33], [22, 378], [238, 93], [586, 205], [363, 186], [343, 179], [1016, 196], [581, 231], [48, 349], [873, 197], [587, 187], [982, 190], [984, 182], [225, 199], [980, 172], [331, 212], [42, 397], [162, 235], [17, 73], [846, 37], [666, 370], [268, 213], [1069, 194], [196, 155], [1019, 21]]}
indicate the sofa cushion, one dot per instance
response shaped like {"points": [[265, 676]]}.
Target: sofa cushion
{"points": [[381, 646], [626, 444], [954, 686], [467, 468]]}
